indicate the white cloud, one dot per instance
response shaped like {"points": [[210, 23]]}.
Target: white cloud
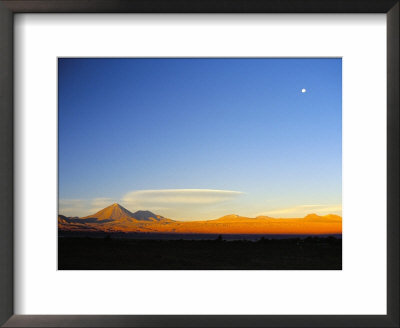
{"points": [[166, 198]]}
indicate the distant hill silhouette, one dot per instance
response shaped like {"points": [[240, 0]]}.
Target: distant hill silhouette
{"points": [[116, 218]]}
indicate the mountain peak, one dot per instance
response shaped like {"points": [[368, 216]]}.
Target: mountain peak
{"points": [[312, 216], [146, 216], [231, 218], [116, 212], [323, 218], [115, 205], [143, 212], [112, 212]]}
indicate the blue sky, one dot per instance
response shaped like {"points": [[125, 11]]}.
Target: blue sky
{"points": [[200, 138]]}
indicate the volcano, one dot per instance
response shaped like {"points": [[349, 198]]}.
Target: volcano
{"points": [[113, 212], [116, 212]]}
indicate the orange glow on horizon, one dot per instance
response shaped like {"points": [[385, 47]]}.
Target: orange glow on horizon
{"points": [[311, 224]]}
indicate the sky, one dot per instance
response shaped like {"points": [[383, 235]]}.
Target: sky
{"points": [[193, 139]]}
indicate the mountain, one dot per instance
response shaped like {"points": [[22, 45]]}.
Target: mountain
{"points": [[74, 224], [238, 218], [116, 212], [147, 216], [112, 212], [318, 218], [116, 218], [231, 218]]}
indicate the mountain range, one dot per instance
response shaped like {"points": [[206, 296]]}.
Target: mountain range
{"points": [[116, 218]]}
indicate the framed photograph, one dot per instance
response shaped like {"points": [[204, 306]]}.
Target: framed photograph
{"points": [[199, 164]]}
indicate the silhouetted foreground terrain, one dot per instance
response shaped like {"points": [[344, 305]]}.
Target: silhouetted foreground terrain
{"points": [[311, 253]]}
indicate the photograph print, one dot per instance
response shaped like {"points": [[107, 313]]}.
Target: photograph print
{"points": [[199, 164]]}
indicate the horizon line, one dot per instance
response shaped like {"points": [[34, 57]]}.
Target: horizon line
{"points": [[183, 220]]}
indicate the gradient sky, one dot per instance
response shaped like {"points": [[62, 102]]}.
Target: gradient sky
{"points": [[200, 138]]}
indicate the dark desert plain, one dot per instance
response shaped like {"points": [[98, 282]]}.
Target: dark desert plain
{"points": [[117, 239]]}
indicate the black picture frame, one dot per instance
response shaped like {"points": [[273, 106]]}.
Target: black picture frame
{"points": [[10, 7]]}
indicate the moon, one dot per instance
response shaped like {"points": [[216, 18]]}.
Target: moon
{"points": [[303, 90]]}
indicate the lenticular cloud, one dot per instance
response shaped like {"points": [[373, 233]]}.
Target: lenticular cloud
{"points": [[191, 197]]}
